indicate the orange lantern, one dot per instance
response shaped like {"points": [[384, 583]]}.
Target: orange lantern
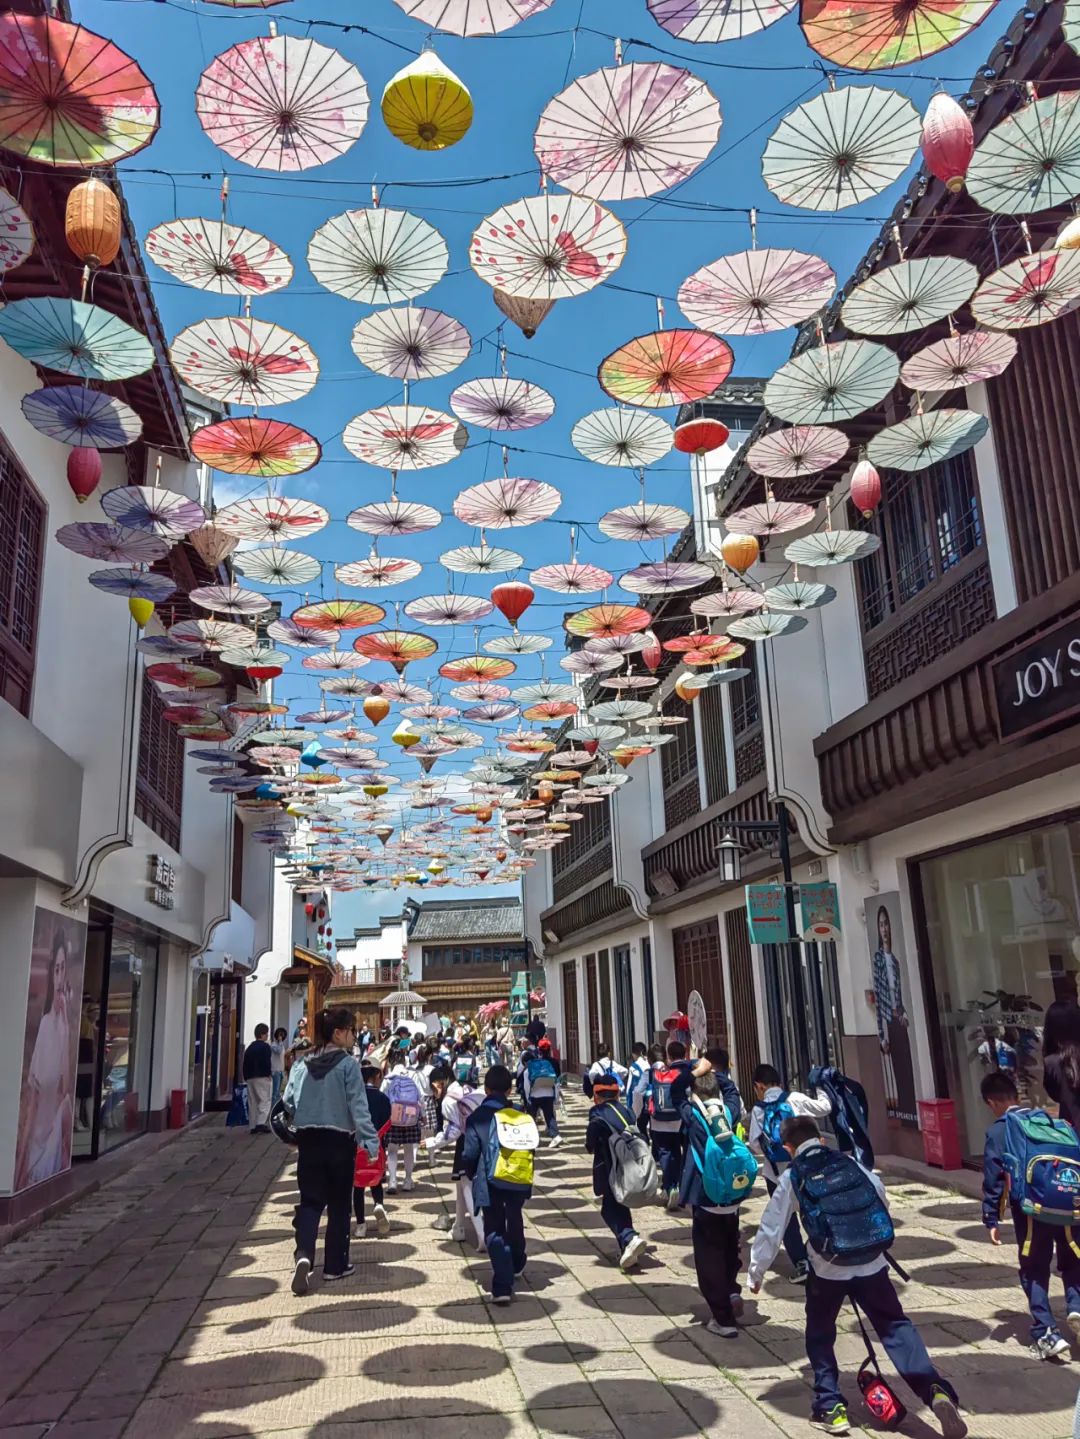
{"points": [[545, 793], [686, 691], [739, 552], [92, 223], [376, 708], [484, 815]]}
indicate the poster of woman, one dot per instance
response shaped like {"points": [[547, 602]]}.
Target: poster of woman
{"points": [[50, 1048], [890, 981]]}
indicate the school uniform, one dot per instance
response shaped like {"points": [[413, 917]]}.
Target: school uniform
{"points": [[539, 1094], [604, 1121], [638, 1084], [667, 1135], [801, 1104], [714, 1228], [1036, 1242], [379, 1109], [503, 1208]]}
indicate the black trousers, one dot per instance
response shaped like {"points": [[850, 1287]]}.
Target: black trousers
{"points": [[716, 1258], [324, 1176], [358, 1200]]}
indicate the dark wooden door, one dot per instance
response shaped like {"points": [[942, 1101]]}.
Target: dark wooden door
{"points": [[624, 1002], [592, 997], [607, 1030], [744, 1024], [698, 965], [571, 1028]]}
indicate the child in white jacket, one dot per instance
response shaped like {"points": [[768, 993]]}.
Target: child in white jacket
{"points": [[459, 1102]]}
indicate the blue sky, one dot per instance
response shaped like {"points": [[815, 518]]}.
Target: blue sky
{"points": [[757, 81]]}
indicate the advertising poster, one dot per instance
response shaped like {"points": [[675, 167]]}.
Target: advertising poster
{"points": [[890, 980]]}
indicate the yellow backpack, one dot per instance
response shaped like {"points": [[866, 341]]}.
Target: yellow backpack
{"points": [[512, 1140]]}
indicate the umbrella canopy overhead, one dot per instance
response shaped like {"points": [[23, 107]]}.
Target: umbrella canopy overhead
{"points": [[548, 247], [378, 257], [222, 259]]}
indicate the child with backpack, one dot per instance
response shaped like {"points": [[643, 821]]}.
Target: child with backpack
{"points": [[462, 1097], [639, 1086], [774, 1105], [406, 1090], [623, 1170], [539, 1089], [1012, 1173], [665, 1122], [368, 1173], [718, 1177], [497, 1156], [849, 1229]]}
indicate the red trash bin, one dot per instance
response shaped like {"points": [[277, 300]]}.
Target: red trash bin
{"points": [[178, 1109], [940, 1132]]}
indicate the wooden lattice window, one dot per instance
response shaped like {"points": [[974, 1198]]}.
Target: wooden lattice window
{"points": [[22, 539], [679, 772], [159, 780], [709, 715]]}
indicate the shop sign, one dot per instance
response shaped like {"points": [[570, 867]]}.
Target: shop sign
{"points": [[1039, 683], [767, 914], [162, 882], [820, 906]]}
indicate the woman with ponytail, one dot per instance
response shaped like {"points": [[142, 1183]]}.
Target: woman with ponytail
{"points": [[1061, 1058]]}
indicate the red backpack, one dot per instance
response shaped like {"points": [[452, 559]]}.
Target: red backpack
{"points": [[369, 1172]]}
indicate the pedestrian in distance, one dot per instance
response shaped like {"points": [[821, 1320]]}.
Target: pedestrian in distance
{"points": [[497, 1156], [639, 1085], [774, 1104], [407, 1088], [608, 1116], [1061, 1058], [539, 1089], [327, 1102], [258, 1072], [847, 1219], [665, 1122], [368, 1174], [278, 1045], [1008, 1143], [604, 1066]]}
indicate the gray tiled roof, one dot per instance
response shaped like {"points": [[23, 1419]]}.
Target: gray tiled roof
{"points": [[462, 919]]}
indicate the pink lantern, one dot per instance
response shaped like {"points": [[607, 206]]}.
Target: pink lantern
{"points": [[83, 472], [948, 141], [653, 653], [865, 488]]}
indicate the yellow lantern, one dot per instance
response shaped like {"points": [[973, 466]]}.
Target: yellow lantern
{"points": [[376, 708], [435, 867], [92, 223], [141, 610], [375, 791], [426, 105], [405, 735], [740, 552]]}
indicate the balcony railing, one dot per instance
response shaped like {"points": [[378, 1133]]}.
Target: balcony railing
{"points": [[385, 973], [687, 855]]}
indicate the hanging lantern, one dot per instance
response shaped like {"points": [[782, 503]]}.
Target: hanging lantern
{"points": [[740, 552], [260, 673], [1069, 235], [948, 141], [426, 106], [140, 611], [320, 929], [376, 708], [435, 867], [481, 874], [513, 599], [527, 315], [484, 815], [92, 223], [651, 656], [384, 831], [329, 930], [310, 755], [83, 472], [375, 791], [405, 735], [698, 437], [426, 762], [686, 691], [545, 793], [865, 488], [624, 758], [590, 746], [309, 910], [500, 855], [212, 545]]}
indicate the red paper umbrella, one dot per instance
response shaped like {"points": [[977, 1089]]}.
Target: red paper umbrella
{"points": [[602, 621], [667, 367], [789, 454], [338, 615], [187, 676], [477, 668], [700, 436], [574, 578], [271, 519], [550, 710], [254, 446], [512, 599], [397, 647]]}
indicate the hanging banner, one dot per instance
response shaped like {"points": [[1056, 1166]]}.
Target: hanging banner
{"points": [[820, 905], [767, 914]]}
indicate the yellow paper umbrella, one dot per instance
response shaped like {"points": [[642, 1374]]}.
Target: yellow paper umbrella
{"points": [[426, 105], [141, 610]]}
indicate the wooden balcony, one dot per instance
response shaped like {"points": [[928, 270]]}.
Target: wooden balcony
{"points": [[934, 741]]}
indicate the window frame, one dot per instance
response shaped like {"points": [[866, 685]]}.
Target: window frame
{"points": [[18, 664]]}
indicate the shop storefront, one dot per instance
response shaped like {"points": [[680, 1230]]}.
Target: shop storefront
{"points": [[999, 943]]}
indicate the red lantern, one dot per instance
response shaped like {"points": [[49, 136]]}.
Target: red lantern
{"points": [[329, 930], [263, 672], [83, 472], [653, 652], [865, 488], [513, 599], [698, 437], [948, 141], [309, 910], [320, 929], [322, 911], [590, 746]]}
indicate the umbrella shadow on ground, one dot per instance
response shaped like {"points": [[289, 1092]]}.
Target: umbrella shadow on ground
{"points": [[234, 1289], [637, 1406], [953, 1210], [559, 1352], [435, 1365], [920, 1246], [214, 1375], [479, 1421], [526, 1309], [367, 1317]]}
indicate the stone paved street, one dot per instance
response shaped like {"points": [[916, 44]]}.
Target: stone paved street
{"points": [[160, 1308]]}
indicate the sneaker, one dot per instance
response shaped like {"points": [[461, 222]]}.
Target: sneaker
{"points": [[457, 1231], [947, 1414], [501, 1299], [631, 1255], [802, 1272], [300, 1276], [673, 1199], [408, 1186], [360, 1230], [835, 1421], [1051, 1346], [444, 1222], [737, 1305], [556, 1142], [391, 1189], [1073, 1322], [333, 1278], [382, 1221], [725, 1331]]}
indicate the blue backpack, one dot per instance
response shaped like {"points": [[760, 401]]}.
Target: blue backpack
{"points": [[541, 1069], [773, 1114], [846, 1219], [1042, 1157], [728, 1169]]}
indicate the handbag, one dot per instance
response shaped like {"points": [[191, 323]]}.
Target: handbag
{"points": [[878, 1396]]}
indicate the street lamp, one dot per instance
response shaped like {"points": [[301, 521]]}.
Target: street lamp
{"points": [[729, 851]]}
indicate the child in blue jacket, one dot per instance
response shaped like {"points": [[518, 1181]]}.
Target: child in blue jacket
{"points": [[608, 1115], [503, 1207]]}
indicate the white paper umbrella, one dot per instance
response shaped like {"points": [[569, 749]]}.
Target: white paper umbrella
{"points": [[632, 439], [605, 735], [588, 662], [160, 512], [282, 103], [756, 291], [377, 257], [801, 450], [832, 382], [244, 362], [548, 247], [500, 403], [766, 626], [507, 503], [410, 344], [831, 547], [909, 296], [727, 604], [230, 600], [518, 642], [393, 517], [628, 131], [213, 635], [710, 21], [958, 361], [335, 661], [841, 147], [574, 578], [16, 233], [255, 654], [774, 517], [472, 17], [77, 416], [277, 566], [449, 609], [135, 583], [1031, 160], [924, 440], [480, 560], [666, 577], [643, 521], [1030, 291], [619, 710], [796, 595], [405, 437], [300, 637], [271, 519], [223, 259]]}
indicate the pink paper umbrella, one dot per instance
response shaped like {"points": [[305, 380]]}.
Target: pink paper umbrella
{"points": [[500, 403], [405, 437], [244, 362], [710, 21], [504, 504], [271, 518], [728, 604], [958, 361], [627, 131], [1030, 291], [666, 577], [548, 247], [574, 578], [667, 367], [472, 17], [301, 637], [589, 662], [756, 291], [493, 712], [800, 450], [448, 609], [774, 517], [114, 544], [643, 522], [411, 344], [377, 570], [393, 517], [159, 512]]}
